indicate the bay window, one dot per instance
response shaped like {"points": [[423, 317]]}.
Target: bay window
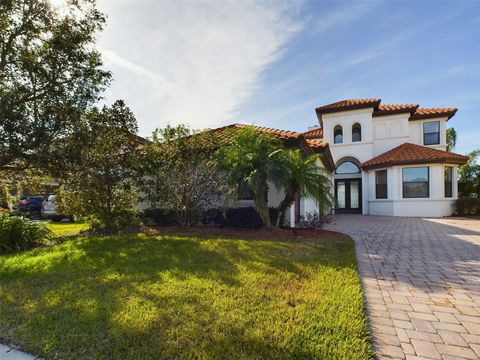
{"points": [[416, 182]]}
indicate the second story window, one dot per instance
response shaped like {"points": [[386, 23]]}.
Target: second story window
{"points": [[338, 135], [431, 133], [356, 132]]}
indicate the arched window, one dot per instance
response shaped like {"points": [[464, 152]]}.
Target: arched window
{"points": [[338, 135], [347, 167], [356, 132]]}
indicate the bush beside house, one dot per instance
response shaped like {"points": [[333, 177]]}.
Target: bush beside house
{"points": [[468, 202]]}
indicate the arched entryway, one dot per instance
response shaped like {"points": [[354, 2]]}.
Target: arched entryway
{"points": [[348, 186]]}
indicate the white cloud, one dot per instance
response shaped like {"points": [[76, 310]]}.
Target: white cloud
{"points": [[346, 14], [191, 62]]}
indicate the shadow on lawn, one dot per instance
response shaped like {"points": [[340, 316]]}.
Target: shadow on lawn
{"points": [[145, 297]]}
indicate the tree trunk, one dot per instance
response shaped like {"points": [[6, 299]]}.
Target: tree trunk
{"points": [[286, 203], [261, 203], [266, 211]]}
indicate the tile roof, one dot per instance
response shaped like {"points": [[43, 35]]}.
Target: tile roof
{"points": [[390, 109], [427, 113], [416, 112], [316, 144], [312, 145], [349, 104], [408, 153], [281, 134], [313, 133]]}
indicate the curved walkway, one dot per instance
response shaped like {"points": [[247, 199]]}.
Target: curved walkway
{"points": [[421, 281]]}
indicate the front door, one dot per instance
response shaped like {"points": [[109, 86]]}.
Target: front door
{"points": [[348, 194]]}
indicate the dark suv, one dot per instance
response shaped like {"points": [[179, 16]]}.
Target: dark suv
{"points": [[30, 206]]}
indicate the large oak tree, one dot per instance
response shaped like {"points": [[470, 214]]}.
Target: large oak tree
{"points": [[50, 73]]}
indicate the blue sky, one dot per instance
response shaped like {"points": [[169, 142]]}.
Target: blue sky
{"points": [[211, 63]]}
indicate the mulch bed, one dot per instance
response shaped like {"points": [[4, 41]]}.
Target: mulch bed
{"points": [[242, 233]]}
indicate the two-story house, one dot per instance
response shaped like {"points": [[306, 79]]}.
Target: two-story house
{"points": [[384, 159], [390, 159]]}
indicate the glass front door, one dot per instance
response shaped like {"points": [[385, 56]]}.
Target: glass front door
{"points": [[348, 195]]}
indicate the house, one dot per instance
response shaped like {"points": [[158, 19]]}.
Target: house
{"points": [[384, 159], [390, 159]]}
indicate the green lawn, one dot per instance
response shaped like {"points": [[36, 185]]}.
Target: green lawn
{"points": [[67, 228], [153, 297]]}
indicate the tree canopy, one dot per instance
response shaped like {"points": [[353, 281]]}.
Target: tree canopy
{"points": [[102, 156], [255, 159], [180, 173], [50, 73], [304, 177]]}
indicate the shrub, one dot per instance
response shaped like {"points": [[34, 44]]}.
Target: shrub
{"points": [[18, 233], [312, 221], [162, 217], [114, 221], [246, 217], [468, 205], [243, 217]]}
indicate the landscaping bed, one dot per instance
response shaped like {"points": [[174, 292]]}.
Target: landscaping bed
{"points": [[178, 295]]}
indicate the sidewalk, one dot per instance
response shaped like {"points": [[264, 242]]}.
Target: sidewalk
{"points": [[7, 353]]}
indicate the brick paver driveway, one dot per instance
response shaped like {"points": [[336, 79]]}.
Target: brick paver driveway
{"points": [[421, 279]]}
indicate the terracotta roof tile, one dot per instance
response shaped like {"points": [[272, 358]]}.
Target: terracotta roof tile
{"points": [[391, 109], [427, 113], [417, 113], [314, 133], [316, 144], [281, 134], [408, 153], [349, 104], [222, 132]]}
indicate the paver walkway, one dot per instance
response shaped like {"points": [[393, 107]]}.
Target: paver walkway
{"points": [[421, 280]]}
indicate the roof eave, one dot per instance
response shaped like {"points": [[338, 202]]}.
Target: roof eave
{"points": [[414, 162], [447, 114], [373, 104]]}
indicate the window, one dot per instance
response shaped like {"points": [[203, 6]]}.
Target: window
{"points": [[338, 135], [416, 182], [448, 178], [431, 133], [381, 184], [356, 132], [347, 167], [244, 192]]}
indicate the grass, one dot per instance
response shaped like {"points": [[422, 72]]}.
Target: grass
{"points": [[67, 228], [154, 297]]}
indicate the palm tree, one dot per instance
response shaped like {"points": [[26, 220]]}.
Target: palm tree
{"points": [[304, 178], [255, 159], [451, 139]]}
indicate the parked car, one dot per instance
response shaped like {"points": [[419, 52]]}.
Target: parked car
{"points": [[49, 210], [30, 206]]}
